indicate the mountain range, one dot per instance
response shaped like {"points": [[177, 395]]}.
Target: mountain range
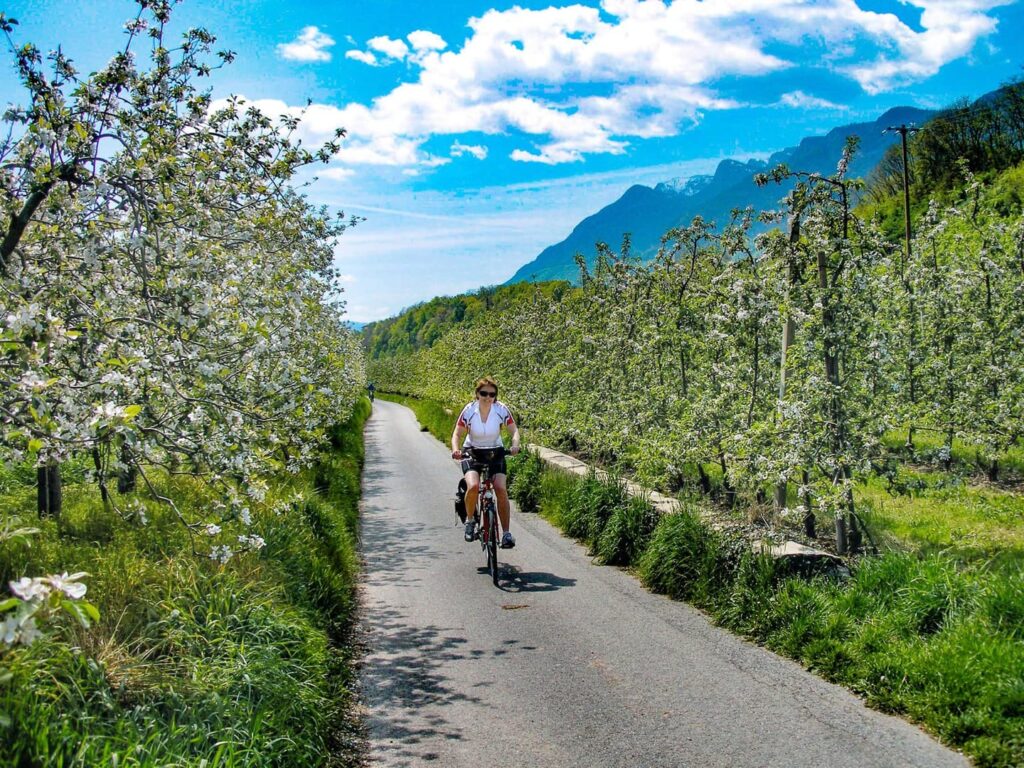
{"points": [[646, 213]]}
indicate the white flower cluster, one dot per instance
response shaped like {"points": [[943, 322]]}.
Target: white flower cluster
{"points": [[252, 541], [36, 598]]}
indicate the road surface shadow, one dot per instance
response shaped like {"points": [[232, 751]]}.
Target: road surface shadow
{"points": [[512, 579], [389, 551], [405, 672]]}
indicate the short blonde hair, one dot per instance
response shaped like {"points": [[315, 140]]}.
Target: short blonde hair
{"points": [[486, 380]]}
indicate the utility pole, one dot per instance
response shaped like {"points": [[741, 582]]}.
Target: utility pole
{"points": [[903, 130]]}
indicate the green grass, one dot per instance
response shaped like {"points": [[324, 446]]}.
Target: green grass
{"points": [[525, 471], [934, 512], [192, 663], [927, 444]]}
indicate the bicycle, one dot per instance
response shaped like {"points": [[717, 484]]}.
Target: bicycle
{"points": [[486, 507]]}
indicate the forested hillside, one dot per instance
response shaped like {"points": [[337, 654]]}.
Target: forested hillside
{"points": [[420, 326]]}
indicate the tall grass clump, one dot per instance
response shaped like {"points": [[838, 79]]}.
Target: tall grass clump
{"points": [[686, 560], [591, 504], [556, 487], [627, 532], [525, 470], [193, 662]]}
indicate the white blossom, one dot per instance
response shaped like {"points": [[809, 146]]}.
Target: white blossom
{"points": [[32, 590]]}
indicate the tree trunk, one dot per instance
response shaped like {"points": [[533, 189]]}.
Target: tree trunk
{"points": [[855, 538], [841, 545], [705, 481], [730, 492], [48, 491], [809, 522], [788, 337], [126, 476], [836, 415]]}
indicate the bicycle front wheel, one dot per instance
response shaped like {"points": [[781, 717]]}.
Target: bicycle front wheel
{"points": [[492, 543]]}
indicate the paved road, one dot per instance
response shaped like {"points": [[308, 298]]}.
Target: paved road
{"points": [[571, 664]]}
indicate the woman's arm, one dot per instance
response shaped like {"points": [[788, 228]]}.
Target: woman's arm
{"points": [[513, 430], [457, 435]]}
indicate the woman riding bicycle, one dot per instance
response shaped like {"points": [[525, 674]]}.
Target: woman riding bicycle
{"points": [[480, 423]]}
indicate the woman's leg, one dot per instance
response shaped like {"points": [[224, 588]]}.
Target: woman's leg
{"points": [[501, 491], [472, 489]]}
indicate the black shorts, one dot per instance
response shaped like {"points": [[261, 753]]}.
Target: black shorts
{"points": [[492, 458]]}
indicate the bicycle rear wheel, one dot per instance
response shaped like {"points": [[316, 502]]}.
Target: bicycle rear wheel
{"points": [[491, 516]]}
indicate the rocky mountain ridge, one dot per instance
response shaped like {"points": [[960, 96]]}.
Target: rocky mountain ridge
{"points": [[646, 213]]}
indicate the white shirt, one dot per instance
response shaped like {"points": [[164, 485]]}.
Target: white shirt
{"points": [[484, 434]]}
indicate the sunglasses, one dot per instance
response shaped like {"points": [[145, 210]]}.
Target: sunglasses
{"points": [[481, 393]]}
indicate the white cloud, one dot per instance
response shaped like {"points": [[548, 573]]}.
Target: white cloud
{"points": [[310, 45], [395, 49], [459, 149], [950, 30], [336, 173], [424, 40], [801, 100], [648, 68], [364, 56]]}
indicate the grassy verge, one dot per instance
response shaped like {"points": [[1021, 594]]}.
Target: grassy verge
{"points": [[192, 663], [928, 445]]}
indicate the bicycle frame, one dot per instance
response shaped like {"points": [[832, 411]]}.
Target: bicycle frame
{"points": [[487, 519]]}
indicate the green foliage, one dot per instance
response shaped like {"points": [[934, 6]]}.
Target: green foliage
{"points": [[987, 136], [627, 532], [419, 327], [685, 560], [1007, 193], [192, 662], [525, 472]]}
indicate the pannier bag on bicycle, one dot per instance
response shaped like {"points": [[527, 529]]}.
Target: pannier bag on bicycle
{"points": [[460, 501]]}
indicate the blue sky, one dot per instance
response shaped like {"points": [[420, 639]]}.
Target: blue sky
{"points": [[481, 132]]}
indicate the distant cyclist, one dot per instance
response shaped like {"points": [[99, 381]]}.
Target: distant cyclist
{"points": [[480, 424], [370, 389]]}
